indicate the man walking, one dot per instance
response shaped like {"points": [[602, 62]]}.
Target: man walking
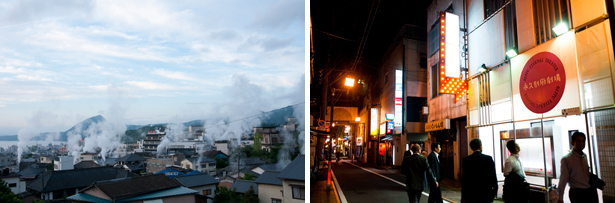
{"points": [[479, 182], [435, 194], [575, 172], [416, 169]]}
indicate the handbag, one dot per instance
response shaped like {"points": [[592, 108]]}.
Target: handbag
{"points": [[596, 182]]}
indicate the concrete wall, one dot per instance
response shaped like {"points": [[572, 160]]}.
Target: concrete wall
{"points": [[20, 186], [267, 192], [200, 189]]}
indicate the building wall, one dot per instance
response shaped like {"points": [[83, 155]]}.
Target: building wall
{"points": [[266, 192], [20, 186], [201, 190], [288, 191]]}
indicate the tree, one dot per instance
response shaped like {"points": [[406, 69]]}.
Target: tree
{"points": [[220, 163], [257, 141], [250, 196], [6, 195], [224, 194], [50, 166], [248, 176]]}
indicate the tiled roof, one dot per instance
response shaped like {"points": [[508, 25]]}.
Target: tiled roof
{"points": [[130, 157], [295, 170], [84, 197], [165, 193], [242, 186], [86, 164], [77, 178], [248, 171], [130, 187], [269, 177], [196, 180]]}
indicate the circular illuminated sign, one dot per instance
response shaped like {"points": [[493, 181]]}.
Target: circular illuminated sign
{"points": [[542, 82]]}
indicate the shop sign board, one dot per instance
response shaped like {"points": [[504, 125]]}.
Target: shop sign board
{"points": [[383, 128], [359, 141], [542, 82], [390, 128], [389, 116], [374, 122], [438, 125], [398, 97]]}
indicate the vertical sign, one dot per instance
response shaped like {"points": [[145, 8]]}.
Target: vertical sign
{"points": [[398, 97], [374, 122], [450, 69]]}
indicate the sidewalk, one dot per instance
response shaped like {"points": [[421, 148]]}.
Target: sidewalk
{"points": [[451, 189], [318, 187]]}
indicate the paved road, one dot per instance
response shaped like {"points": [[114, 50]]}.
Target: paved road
{"points": [[359, 185]]}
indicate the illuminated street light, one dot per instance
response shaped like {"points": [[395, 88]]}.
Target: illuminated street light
{"points": [[349, 82], [357, 119], [560, 29]]}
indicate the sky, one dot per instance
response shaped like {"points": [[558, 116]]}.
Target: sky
{"points": [[143, 62]]}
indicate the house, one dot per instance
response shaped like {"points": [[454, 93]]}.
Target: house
{"points": [[6, 160], [173, 171], [242, 186], [222, 145], [154, 165], [151, 188], [293, 180], [66, 163], [87, 157], [202, 183], [86, 164], [207, 165], [131, 162], [270, 187], [216, 154], [13, 181], [58, 184], [46, 158]]}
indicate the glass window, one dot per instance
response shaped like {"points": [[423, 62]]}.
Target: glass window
{"points": [[548, 14], [434, 38], [298, 192], [12, 184], [276, 200], [207, 192], [435, 81]]}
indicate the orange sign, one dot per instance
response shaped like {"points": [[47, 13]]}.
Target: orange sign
{"points": [[382, 149]]}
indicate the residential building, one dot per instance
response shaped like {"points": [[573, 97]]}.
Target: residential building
{"points": [[66, 163], [202, 183], [85, 164], [216, 154], [88, 157], [293, 180], [154, 165], [132, 162], [270, 187], [202, 164], [151, 188], [58, 184], [222, 145], [6, 160], [242, 186], [13, 181], [152, 140], [269, 136], [45, 158]]}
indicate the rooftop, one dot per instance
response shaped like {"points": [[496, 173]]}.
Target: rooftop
{"points": [[242, 186], [269, 177], [295, 170], [196, 180]]}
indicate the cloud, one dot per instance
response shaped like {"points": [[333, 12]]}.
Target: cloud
{"points": [[279, 16], [10, 69], [151, 85], [174, 75]]}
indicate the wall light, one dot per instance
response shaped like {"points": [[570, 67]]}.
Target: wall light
{"points": [[482, 68], [560, 29], [358, 119], [511, 53]]}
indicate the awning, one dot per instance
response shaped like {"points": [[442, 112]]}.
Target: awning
{"points": [[386, 137]]}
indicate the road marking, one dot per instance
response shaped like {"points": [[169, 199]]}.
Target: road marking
{"points": [[424, 193], [337, 188]]}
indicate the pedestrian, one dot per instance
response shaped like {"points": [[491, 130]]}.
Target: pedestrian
{"points": [[575, 173], [479, 182], [435, 194], [416, 169], [516, 189]]}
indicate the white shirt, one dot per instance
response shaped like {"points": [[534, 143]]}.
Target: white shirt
{"points": [[513, 164], [574, 171], [436, 156]]}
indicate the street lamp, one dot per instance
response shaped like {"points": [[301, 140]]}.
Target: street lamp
{"points": [[349, 82]]}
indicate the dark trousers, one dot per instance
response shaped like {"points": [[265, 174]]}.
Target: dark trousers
{"points": [[588, 195], [414, 195], [435, 195]]}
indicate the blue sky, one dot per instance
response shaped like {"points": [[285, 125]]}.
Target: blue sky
{"points": [[140, 62]]}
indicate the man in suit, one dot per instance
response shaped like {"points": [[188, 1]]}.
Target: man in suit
{"points": [[435, 194], [416, 169], [479, 182]]}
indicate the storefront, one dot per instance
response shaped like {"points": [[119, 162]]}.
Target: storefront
{"points": [[543, 95]]}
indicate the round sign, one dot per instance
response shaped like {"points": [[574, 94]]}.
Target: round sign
{"points": [[542, 82], [321, 123]]}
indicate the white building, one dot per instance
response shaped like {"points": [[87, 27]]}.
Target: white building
{"points": [[270, 187], [13, 181], [64, 163], [293, 180]]}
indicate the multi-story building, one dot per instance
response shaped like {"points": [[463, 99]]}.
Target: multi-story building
{"points": [[154, 165], [152, 140], [536, 71]]}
